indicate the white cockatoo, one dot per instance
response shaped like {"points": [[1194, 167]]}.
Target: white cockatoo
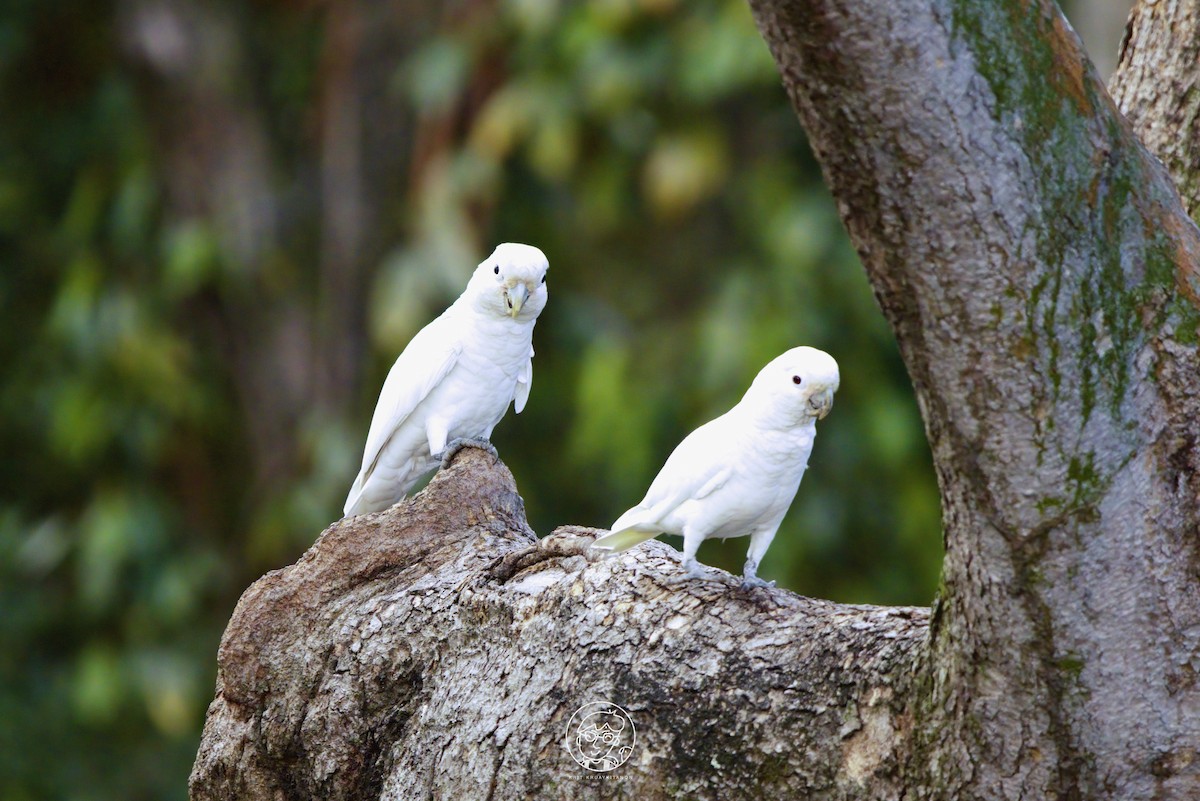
{"points": [[456, 378], [737, 475]]}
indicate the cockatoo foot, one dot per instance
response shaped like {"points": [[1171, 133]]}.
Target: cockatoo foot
{"points": [[750, 582], [695, 570], [456, 445]]}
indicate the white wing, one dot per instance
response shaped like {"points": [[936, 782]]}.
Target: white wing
{"points": [[524, 384], [698, 467], [422, 365], [694, 470]]}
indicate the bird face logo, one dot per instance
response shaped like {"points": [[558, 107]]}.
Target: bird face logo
{"points": [[600, 736], [600, 740]]}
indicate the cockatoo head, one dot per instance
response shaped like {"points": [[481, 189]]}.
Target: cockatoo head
{"points": [[511, 282], [797, 385]]}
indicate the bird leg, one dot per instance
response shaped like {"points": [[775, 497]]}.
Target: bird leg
{"points": [[698, 571], [759, 542], [695, 570], [750, 577], [459, 443]]}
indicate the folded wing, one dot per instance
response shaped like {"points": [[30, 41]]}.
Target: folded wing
{"points": [[422, 365]]}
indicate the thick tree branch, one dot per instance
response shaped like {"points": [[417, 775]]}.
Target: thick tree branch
{"points": [[438, 646], [1041, 277]]}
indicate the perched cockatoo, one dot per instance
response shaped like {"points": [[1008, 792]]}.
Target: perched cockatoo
{"points": [[456, 378], [737, 475]]}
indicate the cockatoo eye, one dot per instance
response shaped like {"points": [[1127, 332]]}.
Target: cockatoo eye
{"points": [[797, 379], [496, 269], [543, 278]]}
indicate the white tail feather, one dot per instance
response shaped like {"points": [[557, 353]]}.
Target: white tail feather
{"points": [[625, 539], [354, 497]]}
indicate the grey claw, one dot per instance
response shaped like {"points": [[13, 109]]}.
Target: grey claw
{"points": [[750, 582], [457, 444], [695, 570]]}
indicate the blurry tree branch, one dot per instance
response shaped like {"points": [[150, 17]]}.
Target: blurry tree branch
{"points": [[1041, 276], [277, 190]]}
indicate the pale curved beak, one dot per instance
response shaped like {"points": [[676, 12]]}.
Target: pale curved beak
{"points": [[516, 297], [821, 404]]}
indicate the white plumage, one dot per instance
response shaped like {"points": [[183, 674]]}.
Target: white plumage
{"points": [[456, 378], [737, 475]]}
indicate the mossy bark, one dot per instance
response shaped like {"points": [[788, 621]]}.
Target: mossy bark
{"points": [[1040, 274]]}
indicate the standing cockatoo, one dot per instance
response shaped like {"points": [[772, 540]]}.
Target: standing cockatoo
{"points": [[737, 475], [456, 378]]}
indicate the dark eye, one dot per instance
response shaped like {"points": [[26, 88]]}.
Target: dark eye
{"points": [[797, 379], [497, 269], [543, 278]]}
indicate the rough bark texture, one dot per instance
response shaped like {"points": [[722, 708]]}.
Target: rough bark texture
{"points": [[1157, 87], [437, 648], [1041, 276]]}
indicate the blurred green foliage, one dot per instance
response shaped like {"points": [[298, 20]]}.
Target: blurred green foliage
{"points": [[150, 473]]}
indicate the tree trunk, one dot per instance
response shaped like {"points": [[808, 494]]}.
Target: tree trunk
{"points": [[1041, 276], [1157, 87]]}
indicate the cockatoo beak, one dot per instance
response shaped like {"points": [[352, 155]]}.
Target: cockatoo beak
{"points": [[822, 404], [516, 297]]}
